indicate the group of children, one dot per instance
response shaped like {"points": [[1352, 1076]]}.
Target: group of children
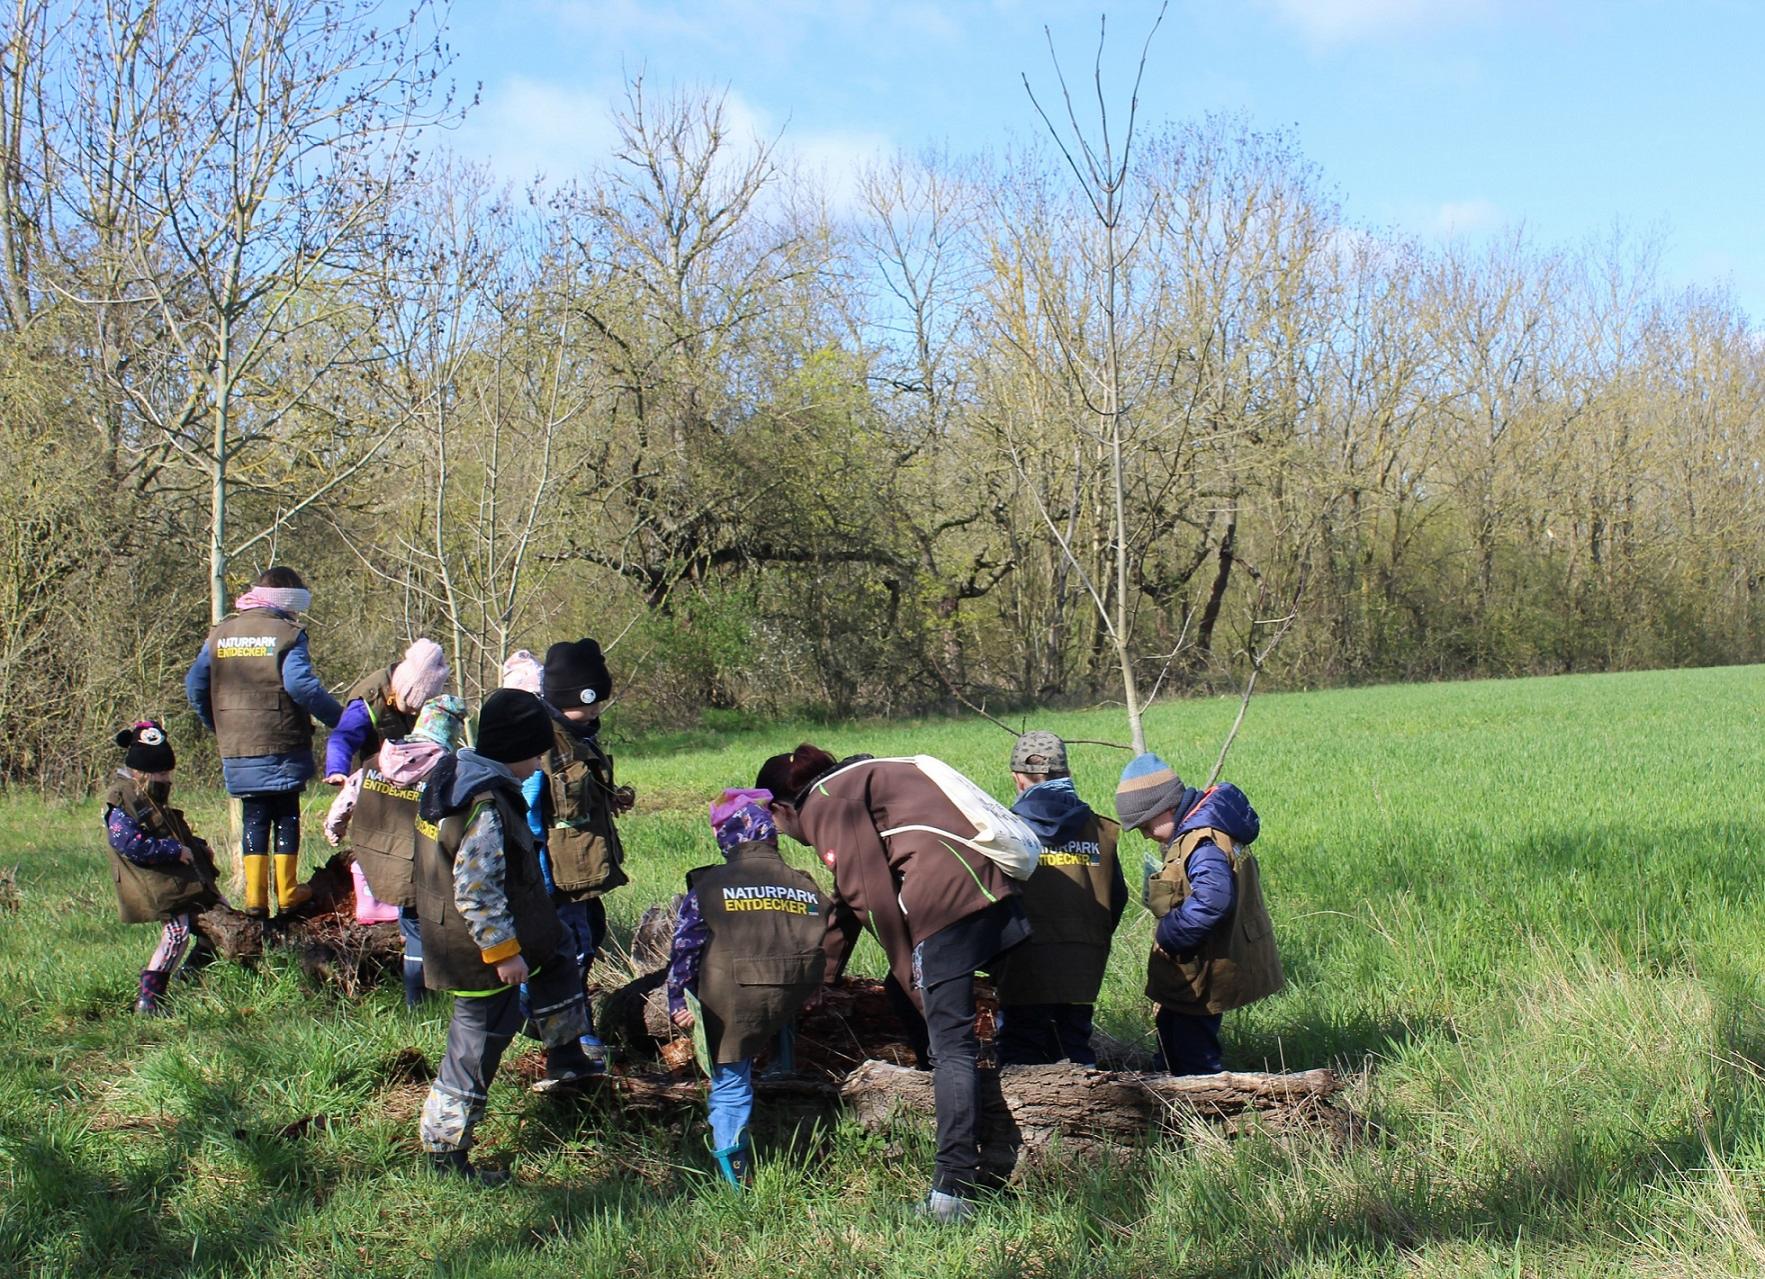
{"points": [[494, 857]]}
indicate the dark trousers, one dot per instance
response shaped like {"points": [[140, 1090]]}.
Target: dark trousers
{"points": [[949, 1020], [479, 1034], [1189, 1042], [258, 813], [912, 1021], [1038, 1034], [585, 928]]}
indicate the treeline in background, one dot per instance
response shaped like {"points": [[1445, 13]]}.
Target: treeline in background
{"points": [[793, 444]]}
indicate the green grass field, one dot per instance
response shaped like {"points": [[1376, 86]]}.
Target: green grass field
{"points": [[1525, 916]]}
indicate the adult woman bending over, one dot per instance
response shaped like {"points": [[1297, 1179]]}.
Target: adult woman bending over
{"points": [[940, 909]]}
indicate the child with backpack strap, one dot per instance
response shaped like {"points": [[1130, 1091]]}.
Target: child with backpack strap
{"points": [[163, 872], [1214, 949]]}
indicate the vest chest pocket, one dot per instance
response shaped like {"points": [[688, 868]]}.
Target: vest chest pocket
{"points": [[804, 967]]}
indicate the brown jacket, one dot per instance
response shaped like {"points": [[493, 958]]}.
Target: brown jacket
{"points": [[906, 887], [388, 724]]}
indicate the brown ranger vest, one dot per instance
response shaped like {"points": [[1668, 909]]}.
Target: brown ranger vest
{"points": [[253, 714], [1238, 963], [451, 959], [763, 958], [389, 724], [161, 892], [384, 833], [1070, 903], [582, 844]]}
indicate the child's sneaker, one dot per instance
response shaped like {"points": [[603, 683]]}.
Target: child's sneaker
{"points": [[945, 1209]]}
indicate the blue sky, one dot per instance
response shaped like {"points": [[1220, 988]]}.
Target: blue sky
{"points": [[1441, 117]]}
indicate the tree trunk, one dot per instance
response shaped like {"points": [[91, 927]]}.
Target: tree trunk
{"points": [[1030, 1111]]}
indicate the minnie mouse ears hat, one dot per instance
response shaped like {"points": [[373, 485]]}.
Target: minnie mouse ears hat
{"points": [[576, 674], [148, 749]]}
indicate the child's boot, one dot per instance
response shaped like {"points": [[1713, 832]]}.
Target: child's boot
{"points": [[736, 1162], [415, 992], [150, 1002], [455, 1163], [290, 892], [567, 1069], [257, 885]]}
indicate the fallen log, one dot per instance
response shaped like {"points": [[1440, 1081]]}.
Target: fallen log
{"points": [[322, 931], [1030, 1111]]}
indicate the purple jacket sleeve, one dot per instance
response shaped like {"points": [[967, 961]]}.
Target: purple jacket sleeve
{"points": [[352, 733], [1213, 891], [137, 845], [690, 936]]}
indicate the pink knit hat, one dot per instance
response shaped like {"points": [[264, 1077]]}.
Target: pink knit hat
{"points": [[420, 675], [522, 670]]}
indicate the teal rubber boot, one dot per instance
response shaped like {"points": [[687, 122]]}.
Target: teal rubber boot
{"points": [[736, 1163]]}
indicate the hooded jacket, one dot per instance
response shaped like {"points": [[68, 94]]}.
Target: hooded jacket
{"points": [[907, 887], [1212, 887], [1215, 947], [1074, 900], [480, 895]]}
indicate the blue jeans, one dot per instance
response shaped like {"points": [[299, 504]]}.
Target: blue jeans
{"points": [[731, 1103]]}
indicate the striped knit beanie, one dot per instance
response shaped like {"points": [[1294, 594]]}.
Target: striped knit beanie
{"points": [[1148, 787]]}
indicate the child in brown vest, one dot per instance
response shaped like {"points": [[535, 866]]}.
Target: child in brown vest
{"points": [[488, 926], [162, 871], [254, 687], [377, 810], [747, 944], [1048, 986], [1214, 949]]}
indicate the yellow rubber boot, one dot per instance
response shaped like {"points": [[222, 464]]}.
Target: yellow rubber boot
{"points": [[257, 886], [290, 892]]}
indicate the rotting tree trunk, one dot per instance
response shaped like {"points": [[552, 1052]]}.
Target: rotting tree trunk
{"points": [[1029, 1111], [331, 946]]}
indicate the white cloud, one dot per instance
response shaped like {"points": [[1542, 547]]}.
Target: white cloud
{"points": [[1334, 22], [527, 128]]}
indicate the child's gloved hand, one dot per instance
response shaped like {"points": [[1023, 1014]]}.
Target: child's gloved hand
{"points": [[624, 799]]}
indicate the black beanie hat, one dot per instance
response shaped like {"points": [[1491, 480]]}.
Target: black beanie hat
{"points": [[148, 749], [576, 674], [514, 725]]}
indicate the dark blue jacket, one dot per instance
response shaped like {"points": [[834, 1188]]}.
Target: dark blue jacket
{"points": [[263, 774], [1213, 890]]}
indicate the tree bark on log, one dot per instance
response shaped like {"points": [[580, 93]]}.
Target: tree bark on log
{"points": [[331, 946], [1029, 1111]]}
